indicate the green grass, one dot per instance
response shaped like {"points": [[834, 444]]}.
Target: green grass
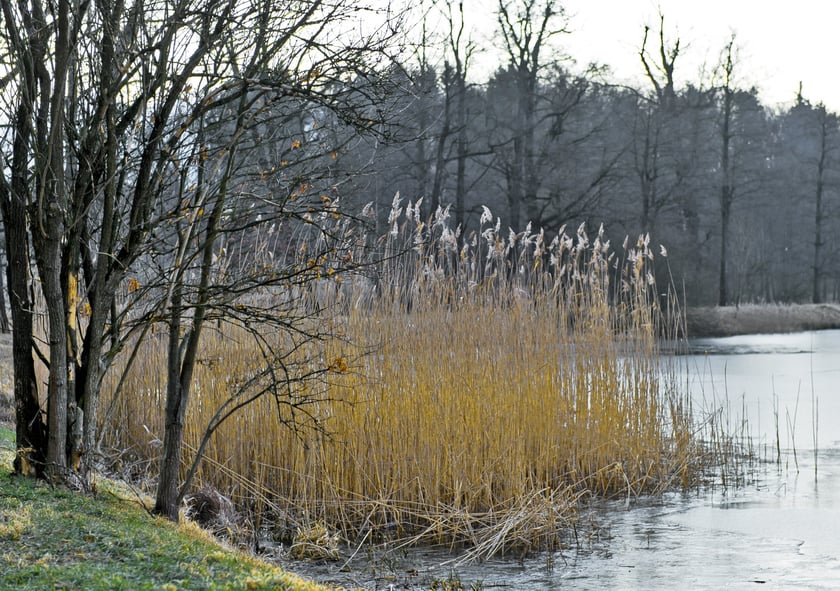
{"points": [[51, 538]]}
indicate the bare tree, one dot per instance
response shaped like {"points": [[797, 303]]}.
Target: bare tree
{"points": [[100, 103], [265, 291], [651, 126], [660, 70], [727, 185], [819, 207], [526, 27], [37, 41], [460, 51]]}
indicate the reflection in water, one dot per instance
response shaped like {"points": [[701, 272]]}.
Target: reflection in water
{"points": [[778, 532], [772, 384]]}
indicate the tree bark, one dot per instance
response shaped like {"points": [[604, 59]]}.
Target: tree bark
{"points": [[5, 328], [30, 428]]}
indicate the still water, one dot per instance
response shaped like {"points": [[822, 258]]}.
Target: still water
{"points": [[781, 530]]}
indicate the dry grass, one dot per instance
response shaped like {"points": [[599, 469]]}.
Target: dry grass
{"points": [[761, 318], [476, 388]]}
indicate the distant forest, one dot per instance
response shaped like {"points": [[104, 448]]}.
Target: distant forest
{"points": [[744, 197]]}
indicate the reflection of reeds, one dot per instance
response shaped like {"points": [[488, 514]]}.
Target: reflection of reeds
{"points": [[776, 422], [506, 378], [815, 422], [791, 425], [815, 413]]}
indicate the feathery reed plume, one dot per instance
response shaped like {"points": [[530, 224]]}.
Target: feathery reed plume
{"points": [[496, 382]]}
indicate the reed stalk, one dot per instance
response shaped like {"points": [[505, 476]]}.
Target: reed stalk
{"points": [[478, 387]]}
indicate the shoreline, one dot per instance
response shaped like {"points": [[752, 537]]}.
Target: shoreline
{"points": [[760, 319]]}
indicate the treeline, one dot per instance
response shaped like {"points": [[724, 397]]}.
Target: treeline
{"points": [[743, 195]]}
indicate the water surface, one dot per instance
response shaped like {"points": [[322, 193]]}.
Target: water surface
{"points": [[779, 530]]}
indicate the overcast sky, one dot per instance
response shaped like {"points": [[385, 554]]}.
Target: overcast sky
{"points": [[780, 43]]}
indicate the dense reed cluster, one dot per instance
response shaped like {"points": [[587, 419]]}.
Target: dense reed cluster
{"points": [[472, 389]]}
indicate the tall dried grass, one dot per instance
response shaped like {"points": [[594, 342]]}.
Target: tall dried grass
{"points": [[476, 388]]}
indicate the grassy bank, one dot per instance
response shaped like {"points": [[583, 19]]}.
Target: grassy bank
{"points": [[57, 539]]}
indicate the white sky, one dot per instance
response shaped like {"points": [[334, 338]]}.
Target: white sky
{"points": [[779, 42]]}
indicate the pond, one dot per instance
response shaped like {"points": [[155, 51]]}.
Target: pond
{"points": [[777, 531]]}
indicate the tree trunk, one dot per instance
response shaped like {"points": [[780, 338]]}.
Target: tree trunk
{"points": [[4, 317], [723, 289], [30, 428], [530, 175], [443, 137], [49, 266], [176, 402], [460, 175], [182, 353], [647, 168], [727, 190], [182, 356], [816, 296], [514, 193]]}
